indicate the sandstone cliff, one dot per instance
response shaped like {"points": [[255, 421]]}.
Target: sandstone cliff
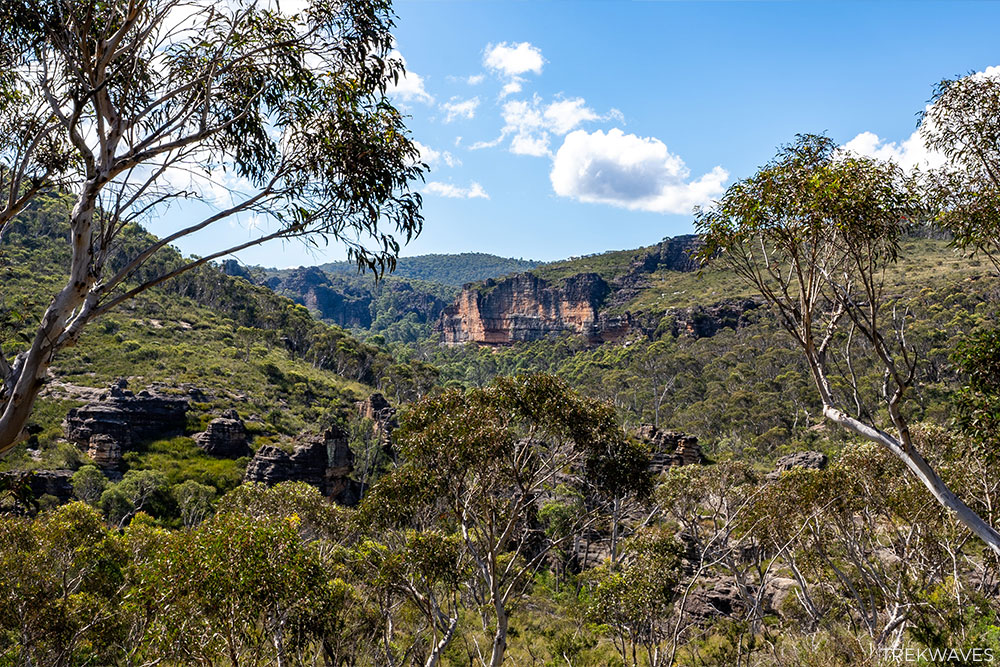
{"points": [[524, 307]]}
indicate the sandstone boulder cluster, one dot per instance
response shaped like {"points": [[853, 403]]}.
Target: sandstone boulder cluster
{"points": [[324, 461], [120, 418], [808, 460], [670, 448]]}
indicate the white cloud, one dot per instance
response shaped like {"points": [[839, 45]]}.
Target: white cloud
{"points": [[511, 87], [457, 108], [410, 87], [911, 153], [433, 157], [632, 172], [511, 60], [908, 154], [475, 79], [474, 191], [531, 123], [566, 115], [989, 73]]}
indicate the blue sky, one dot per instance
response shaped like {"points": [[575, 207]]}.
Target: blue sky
{"points": [[564, 128]]}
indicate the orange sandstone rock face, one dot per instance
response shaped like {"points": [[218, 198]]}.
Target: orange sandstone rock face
{"points": [[524, 307]]}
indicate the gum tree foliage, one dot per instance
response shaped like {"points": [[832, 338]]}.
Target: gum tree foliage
{"points": [[963, 123], [813, 232], [632, 603], [484, 463], [134, 106]]}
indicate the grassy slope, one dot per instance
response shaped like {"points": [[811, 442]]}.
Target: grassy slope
{"points": [[920, 260], [166, 339]]}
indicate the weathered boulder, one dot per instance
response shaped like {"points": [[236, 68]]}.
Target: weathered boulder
{"points": [[55, 483], [808, 459], [324, 461], [670, 448], [119, 419], [777, 590], [713, 598], [105, 450], [225, 436]]}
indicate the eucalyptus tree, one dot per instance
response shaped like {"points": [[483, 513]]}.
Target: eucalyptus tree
{"points": [[814, 232], [134, 106], [963, 123], [487, 462]]}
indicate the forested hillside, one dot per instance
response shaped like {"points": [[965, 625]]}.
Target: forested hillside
{"points": [[732, 379], [454, 270]]}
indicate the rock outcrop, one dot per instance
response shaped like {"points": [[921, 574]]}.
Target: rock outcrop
{"points": [[713, 598], [350, 302], [670, 448], [706, 321], [225, 436], [120, 419], [105, 450], [808, 459], [311, 287], [57, 483], [324, 461], [524, 307], [382, 416]]}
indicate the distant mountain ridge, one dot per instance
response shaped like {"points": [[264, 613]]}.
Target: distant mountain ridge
{"points": [[447, 269]]}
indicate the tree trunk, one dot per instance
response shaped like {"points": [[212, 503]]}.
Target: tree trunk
{"points": [[500, 637], [616, 509], [60, 324], [435, 656], [923, 472]]}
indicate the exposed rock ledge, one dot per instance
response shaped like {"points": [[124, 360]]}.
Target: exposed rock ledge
{"points": [[524, 307], [324, 461], [119, 419]]}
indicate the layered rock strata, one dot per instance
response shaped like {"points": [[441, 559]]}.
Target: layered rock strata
{"points": [[324, 461], [119, 418], [670, 448], [225, 436], [524, 307]]}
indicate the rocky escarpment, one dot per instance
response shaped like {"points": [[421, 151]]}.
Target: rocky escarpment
{"points": [[324, 461], [524, 307], [354, 301], [671, 254], [119, 419]]}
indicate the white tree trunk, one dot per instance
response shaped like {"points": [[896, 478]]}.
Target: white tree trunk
{"points": [[923, 472]]}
